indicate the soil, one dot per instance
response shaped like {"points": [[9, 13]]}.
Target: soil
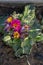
{"points": [[37, 54]]}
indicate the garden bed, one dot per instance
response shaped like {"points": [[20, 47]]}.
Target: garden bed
{"points": [[6, 53]]}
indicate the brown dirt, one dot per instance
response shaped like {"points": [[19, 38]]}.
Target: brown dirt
{"points": [[37, 54]]}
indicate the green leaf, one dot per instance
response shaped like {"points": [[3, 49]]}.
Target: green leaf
{"points": [[33, 33], [35, 29], [27, 11], [1, 28], [42, 22], [26, 45], [6, 38], [16, 41], [36, 24], [16, 44], [28, 15], [19, 52], [39, 38], [10, 43]]}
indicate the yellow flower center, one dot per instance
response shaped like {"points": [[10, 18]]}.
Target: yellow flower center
{"points": [[9, 19], [14, 25], [16, 35]]}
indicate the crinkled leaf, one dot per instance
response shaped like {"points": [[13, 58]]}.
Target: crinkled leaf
{"points": [[6, 38], [16, 41], [16, 44], [36, 25], [33, 33], [9, 43], [39, 38], [29, 15], [19, 52], [35, 29], [26, 45]]}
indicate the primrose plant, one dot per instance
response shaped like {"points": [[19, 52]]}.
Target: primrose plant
{"points": [[21, 31]]}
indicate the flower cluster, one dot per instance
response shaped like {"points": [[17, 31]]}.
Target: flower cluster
{"points": [[18, 30]]}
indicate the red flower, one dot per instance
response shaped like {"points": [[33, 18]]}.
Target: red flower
{"points": [[16, 24]]}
